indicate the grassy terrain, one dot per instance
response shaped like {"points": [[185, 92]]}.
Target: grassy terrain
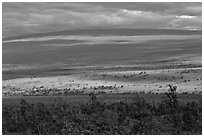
{"points": [[56, 71], [55, 62], [104, 98]]}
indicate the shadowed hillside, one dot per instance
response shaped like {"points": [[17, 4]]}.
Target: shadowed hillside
{"points": [[101, 47]]}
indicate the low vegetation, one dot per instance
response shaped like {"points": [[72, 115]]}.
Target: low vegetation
{"points": [[137, 117]]}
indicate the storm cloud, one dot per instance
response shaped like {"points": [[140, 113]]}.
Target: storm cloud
{"points": [[26, 18]]}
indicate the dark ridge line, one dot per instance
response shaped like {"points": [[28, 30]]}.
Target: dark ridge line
{"points": [[98, 32]]}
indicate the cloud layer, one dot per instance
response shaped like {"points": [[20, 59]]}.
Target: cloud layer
{"points": [[25, 18]]}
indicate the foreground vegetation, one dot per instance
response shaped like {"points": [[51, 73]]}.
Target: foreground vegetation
{"points": [[138, 116]]}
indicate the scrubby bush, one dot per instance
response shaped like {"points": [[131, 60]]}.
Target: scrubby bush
{"points": [[94, 117]]}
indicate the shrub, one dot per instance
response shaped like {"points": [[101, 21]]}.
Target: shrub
{"points": [[171, 99], [94, 117]]}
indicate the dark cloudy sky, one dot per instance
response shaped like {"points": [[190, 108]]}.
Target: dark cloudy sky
{"points": [[25, 18]]}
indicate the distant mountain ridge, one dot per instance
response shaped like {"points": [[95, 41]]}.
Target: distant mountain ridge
{"points": [[99, 32]]}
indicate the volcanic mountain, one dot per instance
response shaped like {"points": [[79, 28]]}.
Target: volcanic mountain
{"points": [[101, 47]]}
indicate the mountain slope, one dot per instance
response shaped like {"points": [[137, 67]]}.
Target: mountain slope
{"points": [[101, 47]]}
